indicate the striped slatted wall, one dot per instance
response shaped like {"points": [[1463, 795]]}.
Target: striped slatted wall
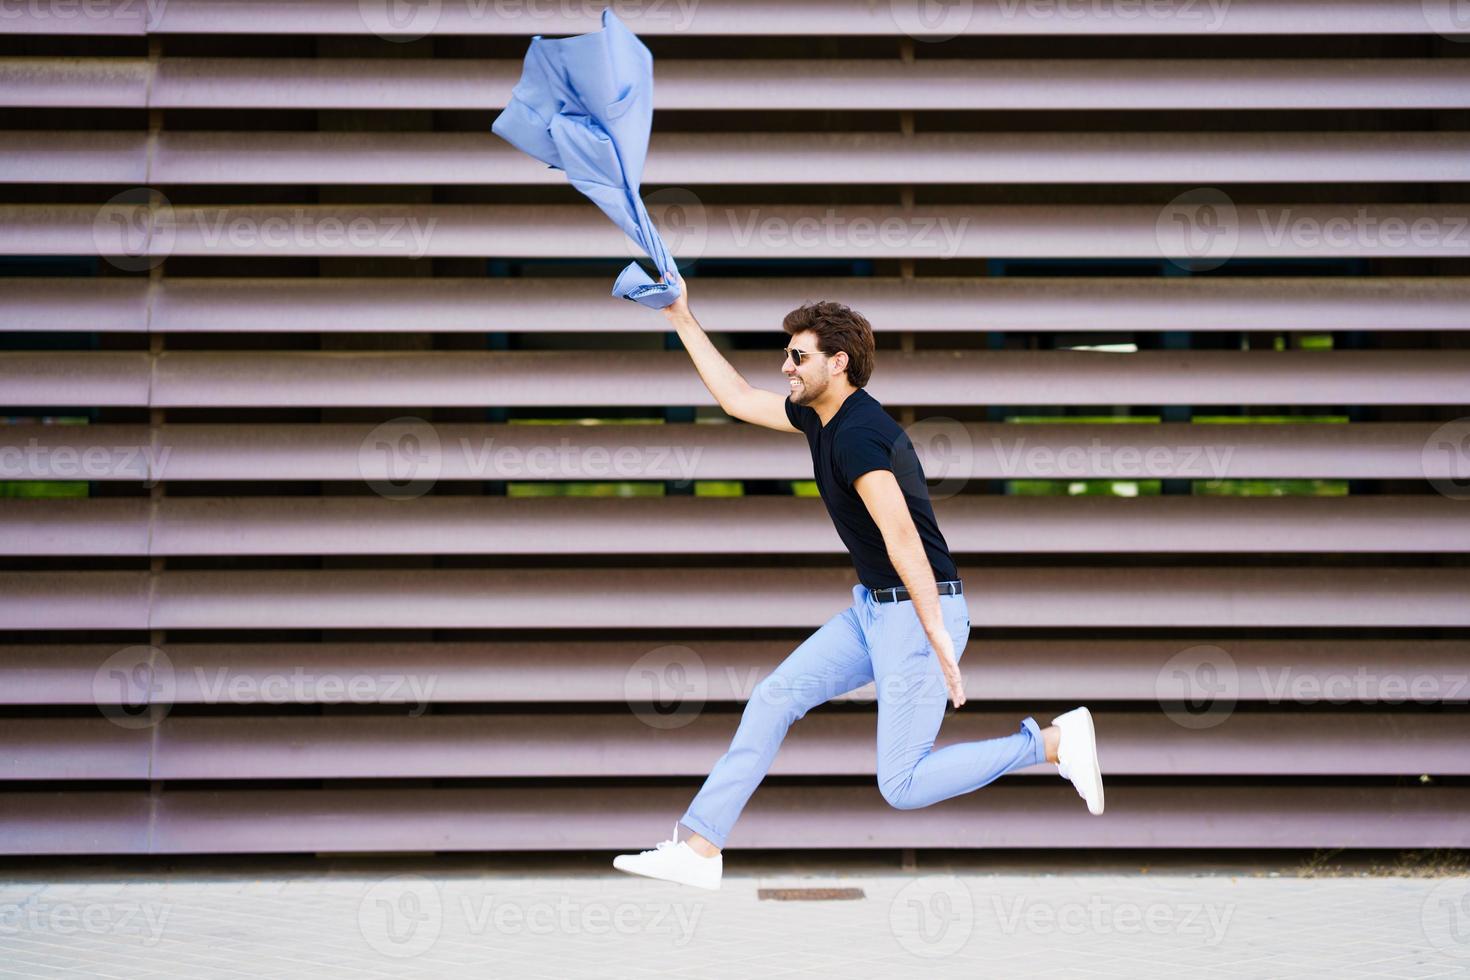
{"points": [[344, 511]]}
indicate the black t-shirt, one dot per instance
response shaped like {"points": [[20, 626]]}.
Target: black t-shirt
{"points": [[862, 437]]}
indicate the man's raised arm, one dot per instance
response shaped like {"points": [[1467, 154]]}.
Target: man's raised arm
{"points": [[735, 395]]}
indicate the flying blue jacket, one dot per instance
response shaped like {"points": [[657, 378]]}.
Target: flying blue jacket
{"points": [[584, 105]]}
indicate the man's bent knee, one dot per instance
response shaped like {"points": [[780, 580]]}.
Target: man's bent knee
{"points": [[897, 793]]}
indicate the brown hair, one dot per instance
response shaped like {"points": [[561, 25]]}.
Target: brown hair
{"points": [[838, 328]]}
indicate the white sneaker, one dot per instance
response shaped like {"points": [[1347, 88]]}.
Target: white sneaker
{"points": [[1077, 756], [676, 862]]}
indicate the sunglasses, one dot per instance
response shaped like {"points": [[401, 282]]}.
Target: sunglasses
{"points": [[797, 355]]}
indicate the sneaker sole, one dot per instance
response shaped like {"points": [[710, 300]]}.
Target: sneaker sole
{"points": [[1096, 769], [673, 881]]}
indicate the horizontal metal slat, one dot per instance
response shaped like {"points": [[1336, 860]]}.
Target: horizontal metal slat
{"points": [[73, 748], [673, 525], [465, 305], [100, 600], [93, 378], [722, 598], [867, 85], [97, 17], [216, 158], [715, 84], [622, 745], [51, 157], [566, 231], [75, 304], [407, 458], [658, 378], [1382, 672], [106, 822], [607, 817], [741, 18], [100, 83], [98, 526]]}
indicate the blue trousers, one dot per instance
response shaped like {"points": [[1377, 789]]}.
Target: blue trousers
{"points": [[881, 642]]}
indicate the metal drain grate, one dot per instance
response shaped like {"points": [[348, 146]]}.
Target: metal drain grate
{"points": [[809, 894]]}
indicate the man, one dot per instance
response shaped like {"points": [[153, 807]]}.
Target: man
{"points": [[908, 623]]}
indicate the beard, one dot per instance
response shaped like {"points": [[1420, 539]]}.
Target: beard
{"points": [[807, 393]]}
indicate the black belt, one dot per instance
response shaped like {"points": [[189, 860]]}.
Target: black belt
{"points": [[900, 594]]}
